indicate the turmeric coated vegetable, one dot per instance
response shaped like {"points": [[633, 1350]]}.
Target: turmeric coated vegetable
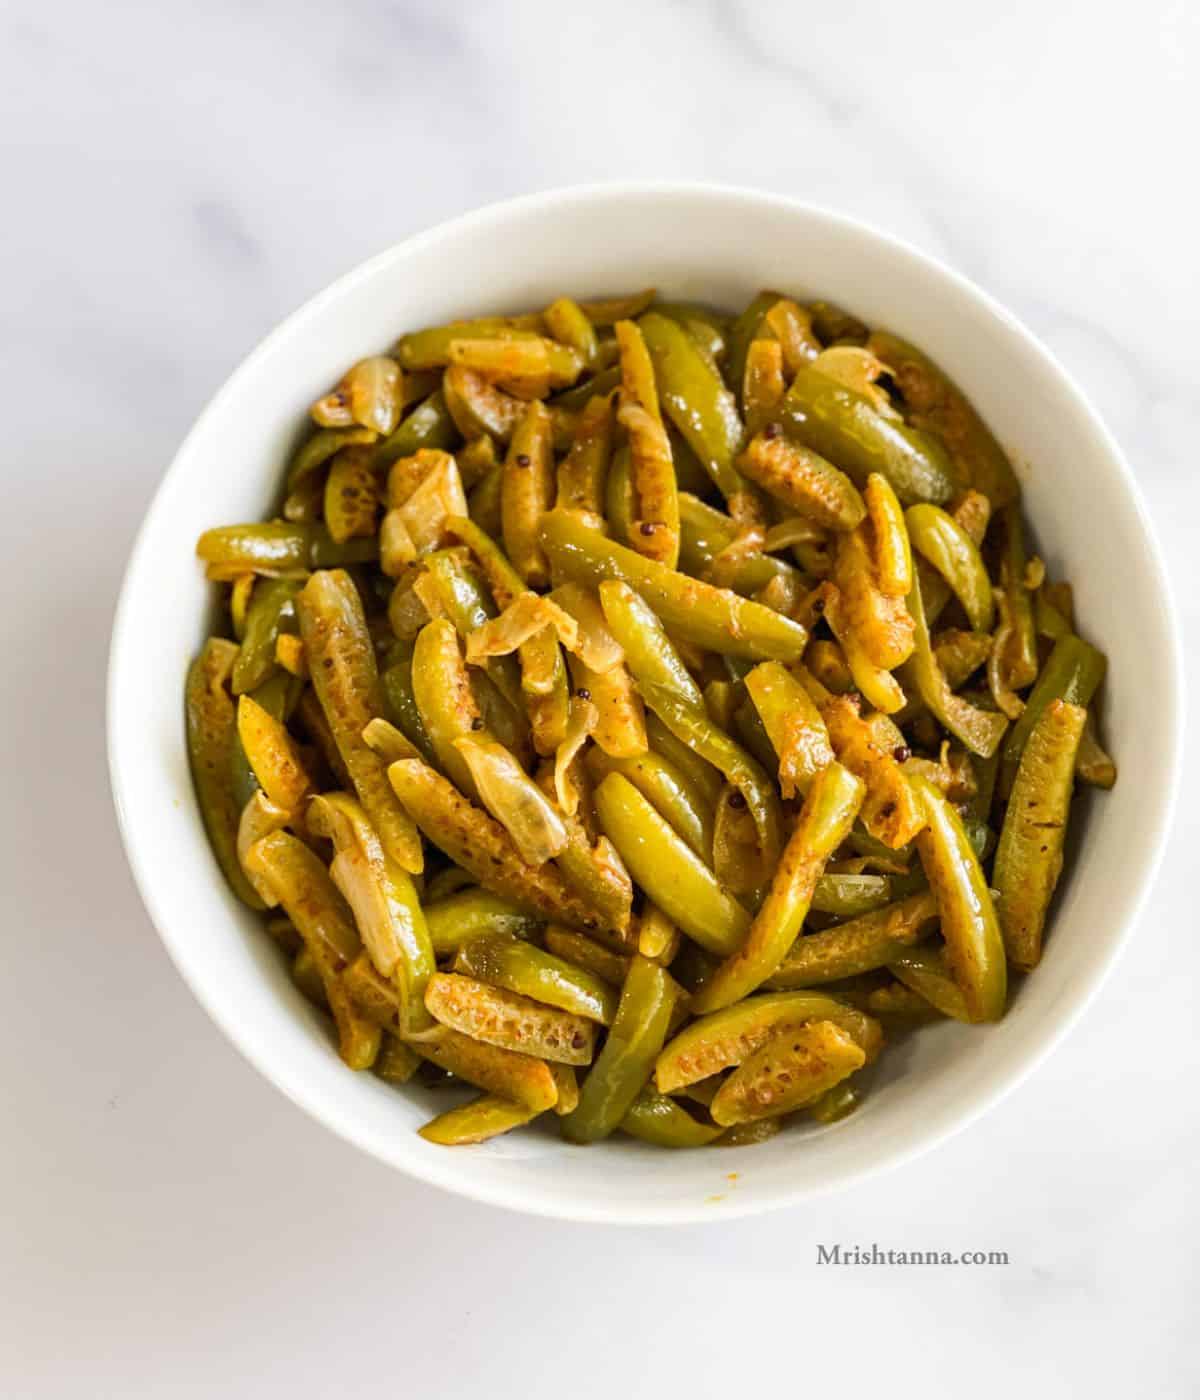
{"points": [[711, 617], [508, 961], [662, 863], [1029, 857], [974, 947], [384, 901], [504, 1018], [829, 810], [725, 1038], [845, 427], [483, 1118], [695, 399], [804, 481], [471, 838], [211, 731], [635, 707], [506, 1074], [858, 945], [345, 676], [669, 790], [793, 724], [792, 1070], [940, 539], [626, 1062]]}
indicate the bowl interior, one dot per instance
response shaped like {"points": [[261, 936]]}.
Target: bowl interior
{"points": [[721, 247]]}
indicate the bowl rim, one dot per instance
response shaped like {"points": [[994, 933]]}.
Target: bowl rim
{"points": [[483, 1188]]}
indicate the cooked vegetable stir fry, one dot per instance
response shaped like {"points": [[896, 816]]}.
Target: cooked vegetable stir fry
{"points": [[639, 714]]}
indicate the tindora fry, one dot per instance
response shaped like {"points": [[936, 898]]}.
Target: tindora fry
{"points": [[456, 919], [1073, 672], [429, 425], [481, 845], [892, 549], [670, 639], [699, 733], [846, 428], [714, 618], [351, 494], [592, 867], [802, 479], [649, 652], [271, 612], [583, 472], [792, 327], [507, 961], [483, 1118], [585, 952], [725, 1038], [1029, 857], [504, 1018], [980, 730], [345, 677], [211, 731], [833, 1105], [658, 1120], [508, 1074], [273, 755], [926, 971], [793, 724], [384, 901], [526, 493], [846, 896], [445, 700], [430, 349], [708, 536], [939, 406], [763, 384], [858, 945], [512, 797], [1020, 652], [890, 811], [667, 868], [974, 946], [878, 623], [672, 793], [695, 399], [939, 538], [626, 1061], [301, 884], [792, 1070], [829, 810]]}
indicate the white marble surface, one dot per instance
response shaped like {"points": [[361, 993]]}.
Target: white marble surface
{"points": [[181, 176]]}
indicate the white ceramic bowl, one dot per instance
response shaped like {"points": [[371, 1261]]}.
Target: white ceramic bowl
{"points": [[719, 245]]}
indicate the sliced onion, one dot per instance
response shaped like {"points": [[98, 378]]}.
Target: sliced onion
{"points": [[516, 802]]}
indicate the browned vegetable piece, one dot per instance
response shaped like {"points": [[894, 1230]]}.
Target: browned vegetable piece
{"points": [[802, 479], [763, 384], [794, 1069], [508, 1075], [351, 494], [301, 884], [345, 677], [526, 493], [481, 845], [504, 1018], [583, 472], [890, 811]]}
